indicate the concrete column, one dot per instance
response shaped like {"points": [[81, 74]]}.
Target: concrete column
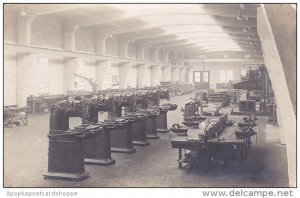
{"points": [[165, 56], [140, 51], [69, 35], [125, 70], [71, 66], [144, 75], [154, 52], [123, 47], [100, 44], [103, 74], [182, 72], [175, 74], [24, 29], [166, 74], [156, 75], [24, 65], [280, 63], [189, 75]]}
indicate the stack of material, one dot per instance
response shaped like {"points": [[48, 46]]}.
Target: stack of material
{"points": [[219, 97]]}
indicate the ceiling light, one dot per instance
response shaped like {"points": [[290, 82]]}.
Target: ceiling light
{"points": [[110, 35], [245, 30], [23, 13], [226, 56], [247, 56]]}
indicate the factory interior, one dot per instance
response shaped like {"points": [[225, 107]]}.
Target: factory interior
{"points": [[149, 95]]}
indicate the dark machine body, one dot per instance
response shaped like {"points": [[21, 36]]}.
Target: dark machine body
{"points": [[211, 147]]}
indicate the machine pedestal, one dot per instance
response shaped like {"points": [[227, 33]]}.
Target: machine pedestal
{"points": [[66, 157], [98, 149], [121, 137], [151, 127], [162, 122]]}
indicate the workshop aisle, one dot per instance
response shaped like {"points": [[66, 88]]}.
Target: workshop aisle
{"points": [[26, 147]]}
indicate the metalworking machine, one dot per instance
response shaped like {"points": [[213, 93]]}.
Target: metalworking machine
{"points": [[214, 144]]}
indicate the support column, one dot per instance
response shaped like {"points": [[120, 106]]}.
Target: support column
{"points": [[166, 73], [140, 51], [175, 74], [100, 43], [154, 53], [123, 47], [144, 76], [165, 56], [182, 72], [24, 29], [279, 62], [103, 74], [125, 70], [156, 75]]}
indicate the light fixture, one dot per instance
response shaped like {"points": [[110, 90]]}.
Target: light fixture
{"points": [[23, 13], [240, 17], [226, 56], [251, 43], [247, 56], [110, 35], [245, 30]]}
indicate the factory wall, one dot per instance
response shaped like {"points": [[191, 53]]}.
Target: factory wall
{"points": [[50, 35], [85, 40], [215, 67], [10, 80], [9, 29], [36, 74]]}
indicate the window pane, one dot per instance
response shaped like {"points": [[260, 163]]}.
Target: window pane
{"points": [[205, 76], [223, 76], [229, 76]]}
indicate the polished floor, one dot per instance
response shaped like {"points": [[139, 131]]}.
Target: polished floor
{"points": [[26, 147]]}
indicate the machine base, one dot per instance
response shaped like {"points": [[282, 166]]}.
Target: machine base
{"points": [[162, 130], [122, 150], [140, 143], [100, 162], [152, 136], [67, 176]]}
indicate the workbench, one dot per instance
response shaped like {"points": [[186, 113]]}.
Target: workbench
{"points": [[193, 143]]}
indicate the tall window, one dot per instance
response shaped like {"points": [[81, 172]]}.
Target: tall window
{"points": [[226, 76], [82, 83], [223, 76], [44, 76], [205, 77], [243, 73], [197, 77]]}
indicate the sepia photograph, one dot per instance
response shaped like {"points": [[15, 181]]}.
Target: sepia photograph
{"points": [[152, 95]]}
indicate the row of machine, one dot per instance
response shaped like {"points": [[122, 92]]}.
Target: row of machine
{"points": [[132, 119], [214, 138], [39, 104]]}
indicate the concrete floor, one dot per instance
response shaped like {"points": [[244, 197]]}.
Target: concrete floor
{"points": [[26, 147]]}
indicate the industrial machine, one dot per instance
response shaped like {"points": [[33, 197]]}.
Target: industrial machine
{"points": [[89, 80], [66, 150], [214, 145], [258, 95]]}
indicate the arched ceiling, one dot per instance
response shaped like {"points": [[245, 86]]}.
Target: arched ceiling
{"points": [[194, 29]]}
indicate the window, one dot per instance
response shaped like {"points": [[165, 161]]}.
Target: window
{"points": [[229, 76], [243, 73], [226, 76], [197, 77], [223, 76], [82, 83], [44, 76], [205, 77]]}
